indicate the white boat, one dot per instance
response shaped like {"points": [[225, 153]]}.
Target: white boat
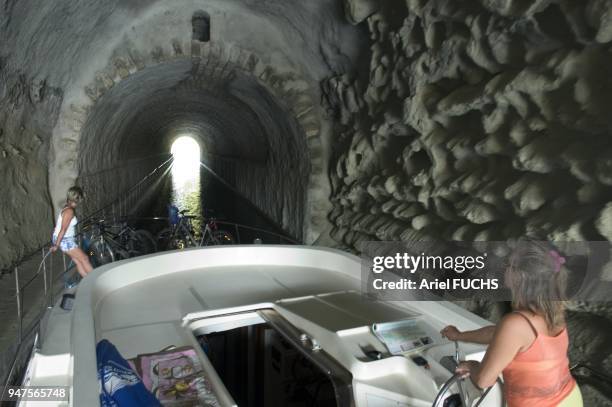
{"points": [[275, 309]]}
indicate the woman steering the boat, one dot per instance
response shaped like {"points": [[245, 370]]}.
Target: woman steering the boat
{"points": [[529, 345], [64, 234]]}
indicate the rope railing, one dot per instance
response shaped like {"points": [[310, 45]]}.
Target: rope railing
{"points": [[128, 201], [122, 165]]}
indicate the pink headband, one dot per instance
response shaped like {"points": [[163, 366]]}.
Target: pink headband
{"points": [[557, 259]]}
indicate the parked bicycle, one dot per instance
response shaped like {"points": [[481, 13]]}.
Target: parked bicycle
{"points": [[212, 235], [108, 243], [180, 234]]}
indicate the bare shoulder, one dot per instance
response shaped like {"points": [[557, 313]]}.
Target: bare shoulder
{"points": [[514, 320], [515, 326], [68, 212]]}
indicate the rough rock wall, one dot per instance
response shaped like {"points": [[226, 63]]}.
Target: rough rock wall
{"points": [[480, 120], [27, 106]]}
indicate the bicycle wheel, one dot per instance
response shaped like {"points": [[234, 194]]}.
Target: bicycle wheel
{"points": [[219, 237], [100, 253], [183, 237], [189, 240], [121, 254], [141, 242], [164, 239], [224, 237]]}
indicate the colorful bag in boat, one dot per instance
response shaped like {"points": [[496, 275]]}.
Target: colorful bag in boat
{"points": [[120, 386], [176, 378]]}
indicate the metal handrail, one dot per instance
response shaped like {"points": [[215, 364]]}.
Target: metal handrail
{"points": [[40, 267], [48, 299], [259, 230], [48, 282]]}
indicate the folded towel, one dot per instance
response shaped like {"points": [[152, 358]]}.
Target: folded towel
{"points": [[120, 386]]}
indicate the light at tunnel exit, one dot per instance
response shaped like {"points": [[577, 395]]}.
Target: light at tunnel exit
{"points": [[186, 174], [186, 153]]}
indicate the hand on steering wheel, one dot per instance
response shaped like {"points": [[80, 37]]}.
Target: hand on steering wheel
{"points": [[465, 368], [466, 390]]}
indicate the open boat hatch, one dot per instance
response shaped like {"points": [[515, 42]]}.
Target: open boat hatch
{"points": [[258, 358]]}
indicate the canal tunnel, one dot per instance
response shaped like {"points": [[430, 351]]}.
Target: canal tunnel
{"points": [[246, 135], [339, 121], [114, 84]]}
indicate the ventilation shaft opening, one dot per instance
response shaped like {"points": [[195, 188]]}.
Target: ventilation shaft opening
{"points": [[201, 26]]}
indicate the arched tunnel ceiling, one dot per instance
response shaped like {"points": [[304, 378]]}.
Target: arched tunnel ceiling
{"points": [[63, 41], [142, 113]]}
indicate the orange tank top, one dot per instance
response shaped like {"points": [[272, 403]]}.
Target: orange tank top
{"points": [[539, 376]]}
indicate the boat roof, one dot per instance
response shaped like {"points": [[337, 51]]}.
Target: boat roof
{"points": [[143, 305]]}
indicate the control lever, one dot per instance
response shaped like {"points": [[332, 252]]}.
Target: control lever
{"points": [[460, 384], [457, 352]]}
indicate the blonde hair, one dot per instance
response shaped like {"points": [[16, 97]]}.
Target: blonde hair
{"points": [[538, 280], [75, 194]]}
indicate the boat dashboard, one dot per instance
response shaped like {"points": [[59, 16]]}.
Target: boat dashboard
{"points": [[373, 353]]}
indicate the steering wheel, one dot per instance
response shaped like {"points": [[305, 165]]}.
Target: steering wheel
{"points": [[458, 379], [465, 400]]}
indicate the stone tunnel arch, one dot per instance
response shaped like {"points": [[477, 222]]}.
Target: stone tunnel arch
{"points": [[208, 63]]}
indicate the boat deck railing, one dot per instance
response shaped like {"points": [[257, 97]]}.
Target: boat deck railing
{"points": [[38, 282]]}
